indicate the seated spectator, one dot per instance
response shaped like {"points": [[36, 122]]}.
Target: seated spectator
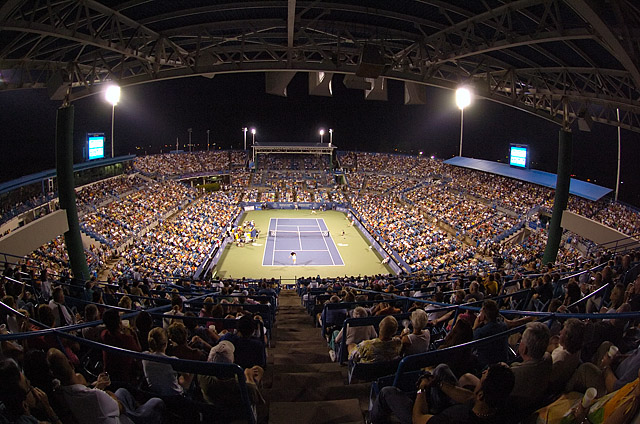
{"points": [[121, 368], [619, 406], [94, 404], [485, 325], [474, 293], [609, 375], [160, 377], [177, 333], [225, 391], [355, 334], [91, 314], [62, 314], [533, 373], [142, 324], [384, 308], [461, 360], [485, 404], [491, 286], [249, 350], [176, 310], [332, 318], [566, 356], [18, 399], [385, 347], [416, 341]]}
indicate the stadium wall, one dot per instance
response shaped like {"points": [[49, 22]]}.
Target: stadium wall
{"points": [[28, 238], [595, 231]]}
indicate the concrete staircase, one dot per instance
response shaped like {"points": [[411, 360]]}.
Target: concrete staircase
{"points": [[301, 384]]}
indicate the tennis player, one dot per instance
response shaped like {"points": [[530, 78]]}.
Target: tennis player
{"points": [[293, 257]]}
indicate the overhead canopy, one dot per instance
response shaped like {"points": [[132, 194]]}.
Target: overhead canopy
{"points": [[579, 188], [572, 59]]}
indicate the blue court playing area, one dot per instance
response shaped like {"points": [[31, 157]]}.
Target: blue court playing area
{"points": [[309, 238]]}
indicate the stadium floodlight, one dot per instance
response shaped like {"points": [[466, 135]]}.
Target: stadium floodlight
{"points": [[463, 99], [330, 136], [253, 136], [244, 130], [321, 136], [112, 95]]}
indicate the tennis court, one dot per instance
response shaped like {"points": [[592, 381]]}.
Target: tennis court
{"points": [[309, 238]]}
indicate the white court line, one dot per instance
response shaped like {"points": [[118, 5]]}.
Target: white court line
{"points": [[325, 243], [286, 250], [299, 238], [273, 256]]}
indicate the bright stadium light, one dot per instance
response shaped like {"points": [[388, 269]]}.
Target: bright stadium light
{"points": [[321, 136], [244, 130], [253, 135], [112, 95], [463, 99]]}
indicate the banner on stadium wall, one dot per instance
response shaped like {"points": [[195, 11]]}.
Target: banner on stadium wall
{"points": [[294, 205], [249, 208]]}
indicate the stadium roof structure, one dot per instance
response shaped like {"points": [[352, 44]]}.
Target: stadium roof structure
{"points": [[294, 148], [38, 177], [579, 188], [564, 60]]}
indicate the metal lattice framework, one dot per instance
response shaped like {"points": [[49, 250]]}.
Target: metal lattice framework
{"points": [[560, 59]]}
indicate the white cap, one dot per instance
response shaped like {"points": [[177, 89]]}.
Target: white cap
{"points": [[222, 352]]}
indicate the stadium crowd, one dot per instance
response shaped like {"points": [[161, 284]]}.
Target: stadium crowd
{"points": [[565, 355]]}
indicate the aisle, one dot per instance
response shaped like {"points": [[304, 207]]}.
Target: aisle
{"points": [[302, 385]]}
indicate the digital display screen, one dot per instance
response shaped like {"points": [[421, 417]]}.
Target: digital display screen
{"points": [[518, 156], [96, 146]]}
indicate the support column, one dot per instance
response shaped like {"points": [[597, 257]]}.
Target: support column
{"points": [[66, 192], [565, 154]]}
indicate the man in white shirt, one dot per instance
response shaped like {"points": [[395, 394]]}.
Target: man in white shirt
{"points": [[94, 405], [62, 314]]}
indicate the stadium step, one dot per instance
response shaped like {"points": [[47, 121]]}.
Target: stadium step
{"points": [[346, 411], [301, 384]]}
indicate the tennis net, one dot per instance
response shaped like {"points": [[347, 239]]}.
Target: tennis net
{"points": [[297, 234]]}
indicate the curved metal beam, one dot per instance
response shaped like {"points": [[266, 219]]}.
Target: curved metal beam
{"points": [[583, 9]]}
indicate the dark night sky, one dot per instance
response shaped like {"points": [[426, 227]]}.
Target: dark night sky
{"points": [[153, 115]]}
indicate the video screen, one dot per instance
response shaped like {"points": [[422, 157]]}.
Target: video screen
{"points": [[518, 156], [96, 146]]}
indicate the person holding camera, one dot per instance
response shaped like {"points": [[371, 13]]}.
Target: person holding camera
{"points": [[482, 405]]}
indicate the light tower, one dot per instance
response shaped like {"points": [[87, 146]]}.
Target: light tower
{"points": [[463, 99], [112, 95]]}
